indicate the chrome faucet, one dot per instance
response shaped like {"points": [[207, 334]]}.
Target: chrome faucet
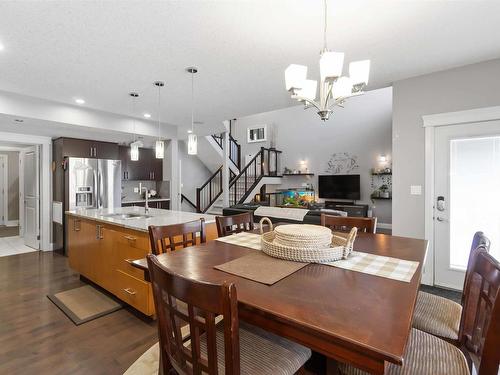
{"points": [[146, 195]]}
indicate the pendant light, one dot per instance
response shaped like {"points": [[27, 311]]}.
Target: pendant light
{"points": [[159, 145], [134, 146], [192, 139]]}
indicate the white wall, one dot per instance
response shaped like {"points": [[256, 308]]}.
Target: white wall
{"points": [[362, 128], [193, 172], [468, 87]]}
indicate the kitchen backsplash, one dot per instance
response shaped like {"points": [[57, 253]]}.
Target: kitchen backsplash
{"points": [[162, 188]]}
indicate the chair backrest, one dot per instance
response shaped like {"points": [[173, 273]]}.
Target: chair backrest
{"points": [[177, 235], [345, 224], [227, 225], [479, 333], [479, 239], [204, 302]]}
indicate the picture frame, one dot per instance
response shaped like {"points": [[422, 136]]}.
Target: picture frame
{"points": [[257, 133]]}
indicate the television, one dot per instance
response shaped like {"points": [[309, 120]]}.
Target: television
{"points": [[339, 186]]}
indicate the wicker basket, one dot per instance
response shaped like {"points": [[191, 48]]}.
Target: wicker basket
{"points": [[296, 249]]}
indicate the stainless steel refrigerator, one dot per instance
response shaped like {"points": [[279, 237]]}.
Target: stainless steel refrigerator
{"points": [[88, 183], [93, 183]]}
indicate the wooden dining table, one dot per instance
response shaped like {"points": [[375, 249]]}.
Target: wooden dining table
{"points": [[348, 316]]}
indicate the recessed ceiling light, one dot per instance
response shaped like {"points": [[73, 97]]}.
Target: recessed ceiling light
{"points": [[190, 131], [147, 115], [79, 101], [2, 47]]}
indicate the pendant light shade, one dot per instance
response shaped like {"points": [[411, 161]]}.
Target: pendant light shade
{"points": [[134, 146], [159, 149], [159, 145], [192, 144], [192, 138], [134, 151]]}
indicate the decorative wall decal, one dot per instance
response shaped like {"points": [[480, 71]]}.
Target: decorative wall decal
{"points": [[342, 163]]}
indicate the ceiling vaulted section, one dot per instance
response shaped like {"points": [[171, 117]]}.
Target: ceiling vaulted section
{"points": [[99, 50]]}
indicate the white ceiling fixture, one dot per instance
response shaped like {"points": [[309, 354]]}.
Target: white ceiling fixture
{"points": [[2, 47], [159, 144], [134, 146], [147, 115], [192, 139], [79, 101], [334, 88]]}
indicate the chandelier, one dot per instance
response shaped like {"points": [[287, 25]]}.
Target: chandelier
{"points": [[334, 88]]}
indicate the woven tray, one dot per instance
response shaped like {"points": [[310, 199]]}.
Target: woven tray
{"points": [[340, 247]]}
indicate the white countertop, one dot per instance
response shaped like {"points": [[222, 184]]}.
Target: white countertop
{"points": [[143, 200], [156, 217]]}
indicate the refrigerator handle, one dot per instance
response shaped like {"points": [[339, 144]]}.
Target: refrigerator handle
{"points": [[99, 200]]}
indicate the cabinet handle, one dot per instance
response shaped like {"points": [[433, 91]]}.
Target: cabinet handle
{"points": [[130, 238], [97, 231], [76, 228], [130, 291], [101, 236]]}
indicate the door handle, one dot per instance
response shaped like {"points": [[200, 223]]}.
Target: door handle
{"points": [[440, 219]]}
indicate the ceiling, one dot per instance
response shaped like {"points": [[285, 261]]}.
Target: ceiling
{"points": [[101, 50]]}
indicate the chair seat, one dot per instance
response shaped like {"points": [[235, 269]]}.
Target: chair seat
{"points": [[261, 352], [437, 315], [425, 355]]}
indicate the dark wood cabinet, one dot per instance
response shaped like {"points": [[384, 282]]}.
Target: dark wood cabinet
{"points": [[146, 168], [164, 205], [84, 148]]}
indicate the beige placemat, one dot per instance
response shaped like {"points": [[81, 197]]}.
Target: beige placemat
{"points": [[378, 265], [260, 267], [245, 239]]}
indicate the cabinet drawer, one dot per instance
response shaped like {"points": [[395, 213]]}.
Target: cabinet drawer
{"points": [[135, 292], [127, 248]]}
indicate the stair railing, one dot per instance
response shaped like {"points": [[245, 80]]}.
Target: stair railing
{"points": [[208, 193], [265, 163], [184, 198], [234, 148]]}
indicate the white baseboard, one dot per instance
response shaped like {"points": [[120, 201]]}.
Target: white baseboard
{"points": [[384, 225], [12, 223]]}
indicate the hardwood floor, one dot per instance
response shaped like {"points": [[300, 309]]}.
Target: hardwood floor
{"points": [[37, 338]]}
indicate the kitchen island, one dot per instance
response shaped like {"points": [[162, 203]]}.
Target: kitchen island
{"points": [[101, 243]]}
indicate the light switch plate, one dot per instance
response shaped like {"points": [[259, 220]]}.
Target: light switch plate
{"points": [[416, 189], [136, 190]]}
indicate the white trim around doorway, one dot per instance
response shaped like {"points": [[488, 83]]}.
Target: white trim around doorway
{"points": [[430, 122], [5, 214]]}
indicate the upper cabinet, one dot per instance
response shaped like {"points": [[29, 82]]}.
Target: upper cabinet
{"points": [[146, 168], [83, 148]]}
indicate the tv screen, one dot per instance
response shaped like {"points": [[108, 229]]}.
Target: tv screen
{"points": [[339, 186]]}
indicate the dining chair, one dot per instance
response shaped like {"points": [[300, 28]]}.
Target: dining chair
{"points": [[345, 224], [440, 316], [170, 237], [479, 334], [229, 347], [227, 225]]}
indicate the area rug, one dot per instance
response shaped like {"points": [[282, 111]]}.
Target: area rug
{"points": [[84, 304]]}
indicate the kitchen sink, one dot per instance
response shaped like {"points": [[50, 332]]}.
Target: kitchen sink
{"points": [[127, 216]]}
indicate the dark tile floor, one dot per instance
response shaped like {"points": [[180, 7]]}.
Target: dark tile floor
{"points": [[446, 293]]}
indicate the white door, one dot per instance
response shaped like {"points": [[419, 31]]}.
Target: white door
{"points": [[3, 190], [31, 163], [467, 195]]}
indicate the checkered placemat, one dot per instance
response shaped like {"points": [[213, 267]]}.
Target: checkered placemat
{"points": [[244, 239], [391, 268]]}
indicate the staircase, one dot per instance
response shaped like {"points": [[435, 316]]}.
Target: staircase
{"points": [[262, 169]]}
